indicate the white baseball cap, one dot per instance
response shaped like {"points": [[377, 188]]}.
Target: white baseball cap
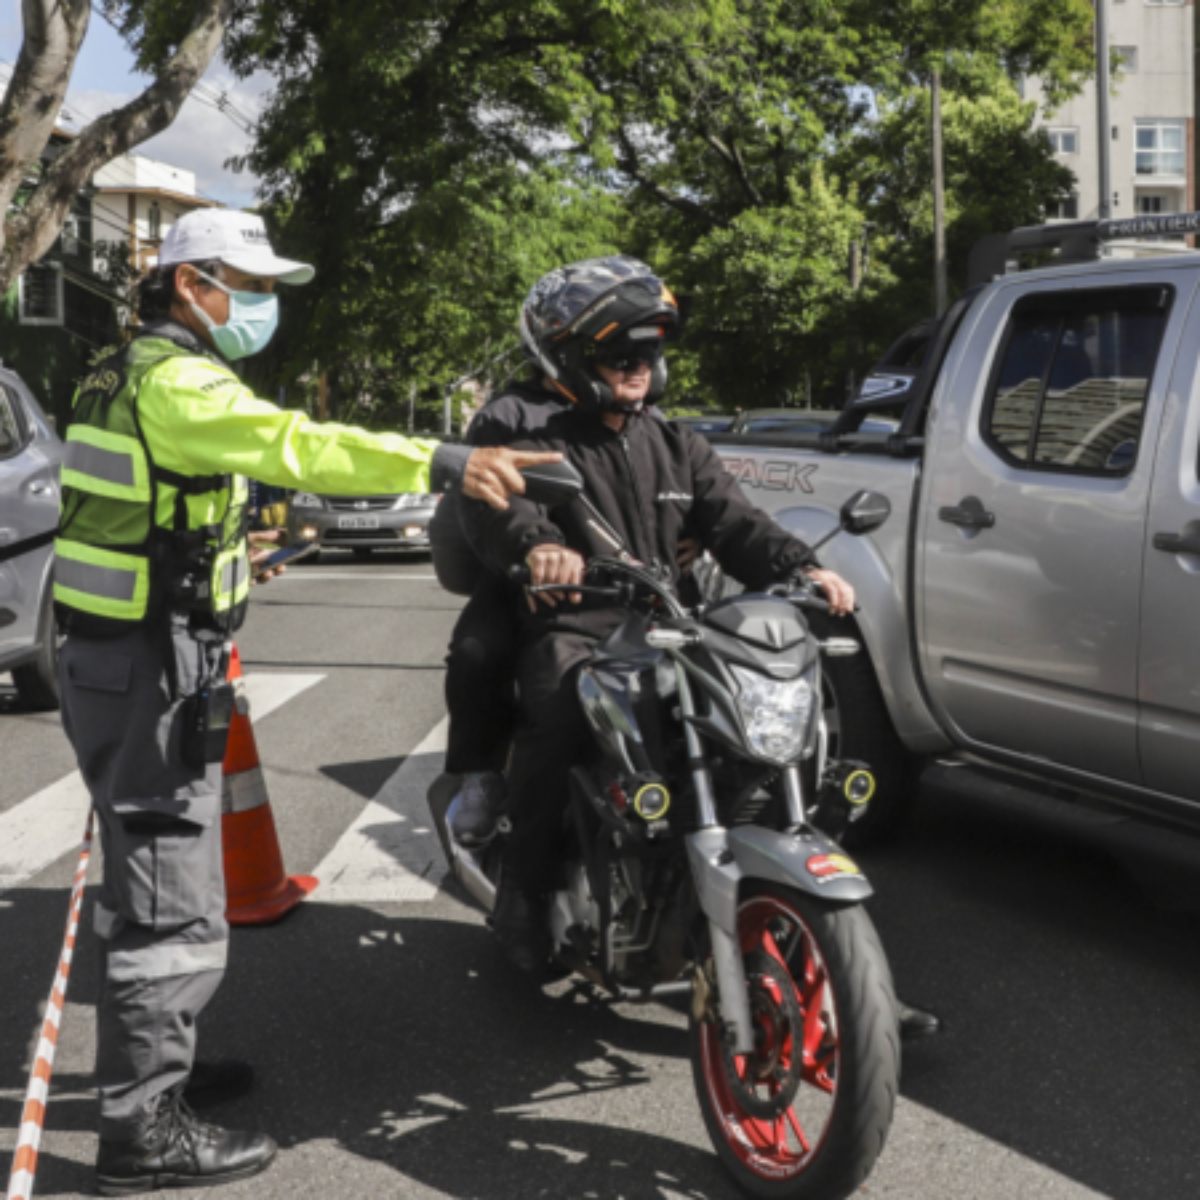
{"points": [[238, 239]]}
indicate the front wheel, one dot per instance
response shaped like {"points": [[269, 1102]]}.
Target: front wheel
{"points": [[806, 1115]]}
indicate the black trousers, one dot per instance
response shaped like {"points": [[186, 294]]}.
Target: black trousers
{"points": [[553, 736], [481, 677]]}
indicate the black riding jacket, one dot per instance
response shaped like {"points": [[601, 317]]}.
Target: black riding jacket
{"points": [[520, 411], [654, 483]]}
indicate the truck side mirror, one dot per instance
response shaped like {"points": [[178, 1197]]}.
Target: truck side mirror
{"points": [[552, 484], [865, 512]]}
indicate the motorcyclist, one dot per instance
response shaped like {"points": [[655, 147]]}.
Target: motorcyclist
{"points": [[597, 330]]}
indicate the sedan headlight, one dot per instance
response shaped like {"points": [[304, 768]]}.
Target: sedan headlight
{"points": [[776, 713], [415, 500], [307, 500]]}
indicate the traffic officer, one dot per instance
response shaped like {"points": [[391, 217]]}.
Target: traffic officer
{"points": [[152, 576]]}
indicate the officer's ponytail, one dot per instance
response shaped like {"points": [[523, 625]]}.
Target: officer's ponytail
{"points": [[155, 291]]}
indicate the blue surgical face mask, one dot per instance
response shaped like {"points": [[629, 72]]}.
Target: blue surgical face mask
{"points": [[253, 319]]}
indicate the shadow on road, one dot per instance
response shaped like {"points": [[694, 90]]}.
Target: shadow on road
{"points": [[1069, 999]]}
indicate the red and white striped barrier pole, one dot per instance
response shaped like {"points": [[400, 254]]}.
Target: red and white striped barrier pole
{"points": [[33, 1116]]}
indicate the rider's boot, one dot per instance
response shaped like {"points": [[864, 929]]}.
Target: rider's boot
{"points": [[522, 924], [915, 1023], [171, 1149], [473, 813]]}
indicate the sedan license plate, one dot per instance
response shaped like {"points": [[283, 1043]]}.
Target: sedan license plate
{"points": [[358, 522]]}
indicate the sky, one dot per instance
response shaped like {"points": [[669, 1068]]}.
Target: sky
{"points": [[200, 140]]}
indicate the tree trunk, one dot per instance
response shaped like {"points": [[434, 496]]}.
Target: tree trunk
{"points": [[940, 283], [54, 31]]}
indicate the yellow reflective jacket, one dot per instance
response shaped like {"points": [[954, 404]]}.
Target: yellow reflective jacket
{"points": [[154, 481]]}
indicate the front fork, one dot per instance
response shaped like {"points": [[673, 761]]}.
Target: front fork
{"points": [[717, 876]]}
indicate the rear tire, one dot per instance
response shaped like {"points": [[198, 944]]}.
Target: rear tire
{"points": [[820, 1139], [861, 729], [37, 681]]}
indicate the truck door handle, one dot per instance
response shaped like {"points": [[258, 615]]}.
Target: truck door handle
{"points": [[969, 513], [1177, 543]]}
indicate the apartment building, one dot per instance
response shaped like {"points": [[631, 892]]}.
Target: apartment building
{"points": [[1153, 111]]}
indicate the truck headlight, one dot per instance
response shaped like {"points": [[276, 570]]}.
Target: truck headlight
{"points": [[775, 712], [307, 500]]}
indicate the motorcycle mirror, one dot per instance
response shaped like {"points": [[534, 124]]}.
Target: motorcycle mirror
{"points": [[864, 512], [552, 484]]}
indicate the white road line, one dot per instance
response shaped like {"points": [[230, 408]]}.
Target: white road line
{"points": [[40, 830], [358, 578], [391, 852]]}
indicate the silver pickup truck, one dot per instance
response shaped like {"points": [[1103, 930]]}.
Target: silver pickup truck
{"points": [[1031, 611]]}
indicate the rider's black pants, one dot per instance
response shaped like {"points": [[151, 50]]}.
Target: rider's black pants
{"points": [[481, 671], [553, 736]]}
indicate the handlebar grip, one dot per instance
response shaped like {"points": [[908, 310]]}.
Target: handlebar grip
{"points": [[520, 574]]}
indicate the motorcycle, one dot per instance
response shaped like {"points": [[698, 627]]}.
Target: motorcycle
{"points": [[701, 863]]}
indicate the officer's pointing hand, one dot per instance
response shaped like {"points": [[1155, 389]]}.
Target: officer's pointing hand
{"points": [[494, 473]]}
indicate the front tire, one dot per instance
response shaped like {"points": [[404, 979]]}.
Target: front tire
{"points": [[806, 1116]]}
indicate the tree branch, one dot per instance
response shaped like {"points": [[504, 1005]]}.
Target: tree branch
{"points": [[631, 164], [53, 34], [28, 234], [732, 156]]}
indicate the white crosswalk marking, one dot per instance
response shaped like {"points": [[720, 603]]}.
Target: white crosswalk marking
{"points": [[391, 852], [40, 830]]}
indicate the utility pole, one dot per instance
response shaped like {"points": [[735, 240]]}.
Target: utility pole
{"points": [[1103, 119], [940, 283], [412, 405]]}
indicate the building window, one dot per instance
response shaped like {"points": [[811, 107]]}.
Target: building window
{"points": [[154, 221], [70, 236], [1064, 141], [1064, 210], [1127, 59], [42, 295], [1160, 148], [1153, 204]]}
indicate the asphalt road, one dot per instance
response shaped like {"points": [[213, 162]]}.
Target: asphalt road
{"points": [[398, 1057]]}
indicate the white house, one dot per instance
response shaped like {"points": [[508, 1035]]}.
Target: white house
{"points": [[141, 199]]}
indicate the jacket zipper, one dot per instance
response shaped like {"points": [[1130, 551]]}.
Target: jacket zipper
{"points": [[647, 532]]}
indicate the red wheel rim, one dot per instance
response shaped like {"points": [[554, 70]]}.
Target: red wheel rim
{"points": [[782, 1147]]}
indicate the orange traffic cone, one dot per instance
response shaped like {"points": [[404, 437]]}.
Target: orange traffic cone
{"points": [[257, 889]]}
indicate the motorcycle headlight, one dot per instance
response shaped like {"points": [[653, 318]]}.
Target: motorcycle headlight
{"points": [[307, 500], [776, 713]]}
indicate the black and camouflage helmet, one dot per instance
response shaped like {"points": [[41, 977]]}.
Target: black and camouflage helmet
{"points": [[605, 311]]}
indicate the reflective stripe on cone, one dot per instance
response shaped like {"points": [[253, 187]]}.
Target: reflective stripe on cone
{"points": [[257, 888]]}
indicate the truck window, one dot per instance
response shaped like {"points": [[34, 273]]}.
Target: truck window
{"points": [[10, 427], [1069, 391]]}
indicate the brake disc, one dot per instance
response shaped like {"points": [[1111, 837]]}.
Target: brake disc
{"points": [[777, 1062]]}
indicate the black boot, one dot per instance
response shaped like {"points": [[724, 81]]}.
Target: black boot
{"points": [[520, 922], [216, 1082], [173, 1149], [914, 1023]]}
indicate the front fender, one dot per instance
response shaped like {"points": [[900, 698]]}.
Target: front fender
{"points": [[721, 859], [808, 861]]}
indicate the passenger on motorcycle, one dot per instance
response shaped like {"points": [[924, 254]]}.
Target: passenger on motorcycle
{"points": [[596, 330]]}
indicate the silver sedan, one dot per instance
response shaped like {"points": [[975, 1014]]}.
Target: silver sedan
{"points": [[362, 523]]}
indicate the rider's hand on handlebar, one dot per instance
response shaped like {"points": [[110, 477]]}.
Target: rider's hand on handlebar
{"points": [[494, 473], [689, 550], [837, 591], [552, 563]]}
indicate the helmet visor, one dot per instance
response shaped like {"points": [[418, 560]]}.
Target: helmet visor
{"points": [[642, 344]]}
